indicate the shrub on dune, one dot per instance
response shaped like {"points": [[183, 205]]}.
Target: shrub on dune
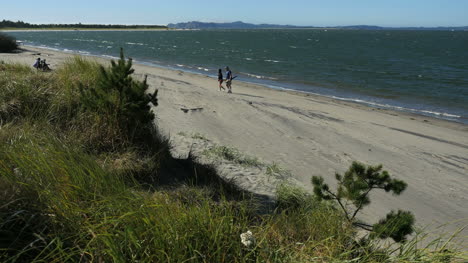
{"points": [[121, 102], [7, 43]]}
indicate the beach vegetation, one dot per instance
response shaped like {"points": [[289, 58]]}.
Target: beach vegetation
{"points": [[277, 171], [352, 195], [292, 197], [7, 43], [199, 136], [232, 154], [73, 190], [182, 133], [122, 102]]}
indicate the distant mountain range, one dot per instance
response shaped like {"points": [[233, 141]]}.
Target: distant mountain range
{"points": [[242, 25], [233, 25]]}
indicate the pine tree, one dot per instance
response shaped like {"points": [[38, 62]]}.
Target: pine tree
{"points": [[354, 188], [7, 43], [123, 101]]}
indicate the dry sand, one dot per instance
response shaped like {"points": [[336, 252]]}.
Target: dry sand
{"points": [[311, 135]]}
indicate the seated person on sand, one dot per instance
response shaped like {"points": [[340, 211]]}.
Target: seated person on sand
{"points": [[37, 64], [44, 66]]}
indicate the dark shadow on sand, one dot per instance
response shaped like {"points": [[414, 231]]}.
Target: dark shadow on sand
{"points": [[176, 173]]}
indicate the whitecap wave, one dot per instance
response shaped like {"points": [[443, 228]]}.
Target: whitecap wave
{"points": [[84, 40], [394, 107], [54, 49], [441, 114], [111, 57], [258, 76], [444, 115], [137, 44]]}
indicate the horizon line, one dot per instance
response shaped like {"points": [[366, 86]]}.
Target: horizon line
{"points": [[239, 21]]}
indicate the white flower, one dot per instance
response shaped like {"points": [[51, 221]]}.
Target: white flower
{"points": [[17, 172], [247, 239]]}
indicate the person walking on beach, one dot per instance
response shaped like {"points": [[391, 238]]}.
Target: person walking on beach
{"points": [[229, 80], [220, 79]]}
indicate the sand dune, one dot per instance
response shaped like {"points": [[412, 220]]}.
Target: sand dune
{"points": [[312, 135]]}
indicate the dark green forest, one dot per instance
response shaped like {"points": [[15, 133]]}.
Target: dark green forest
{"points": [[21, 24]]}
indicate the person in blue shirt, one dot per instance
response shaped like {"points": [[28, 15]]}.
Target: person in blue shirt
{"points": [[228, 79]]}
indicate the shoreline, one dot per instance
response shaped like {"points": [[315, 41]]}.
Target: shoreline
{"points": [[362, 105], [311, 135], [264, 83], [412, 115]]}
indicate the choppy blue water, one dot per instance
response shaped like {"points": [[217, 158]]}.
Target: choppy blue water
{"points": [[424, 72]]}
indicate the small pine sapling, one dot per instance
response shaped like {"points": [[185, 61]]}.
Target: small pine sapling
{"points": [[121, 99], [352, 196]]}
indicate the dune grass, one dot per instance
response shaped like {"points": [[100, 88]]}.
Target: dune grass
{"points": [[71, 191], [232, 154]]}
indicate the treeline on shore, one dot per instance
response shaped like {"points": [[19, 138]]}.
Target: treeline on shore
{"points": [[85, 176], [21, 24]]}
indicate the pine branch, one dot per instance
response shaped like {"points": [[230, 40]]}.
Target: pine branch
{"points": [[363, 226], [360, 204], [341, 204]]}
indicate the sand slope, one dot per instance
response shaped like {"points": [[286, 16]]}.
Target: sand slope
{"points": [[313, 135]]}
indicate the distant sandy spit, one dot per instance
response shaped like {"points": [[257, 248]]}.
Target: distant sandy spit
{"points": [[310, 135]]}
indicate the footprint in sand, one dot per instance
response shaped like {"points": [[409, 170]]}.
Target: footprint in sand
{"points": [[185, 110]]}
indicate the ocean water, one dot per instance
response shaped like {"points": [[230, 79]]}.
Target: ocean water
{"points": [[424, 72]]}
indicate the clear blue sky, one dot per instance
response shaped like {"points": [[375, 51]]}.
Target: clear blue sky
{"points": [[296, 12]]}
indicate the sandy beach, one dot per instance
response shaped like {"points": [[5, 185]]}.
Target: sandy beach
{"points": [[311, 135]]}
